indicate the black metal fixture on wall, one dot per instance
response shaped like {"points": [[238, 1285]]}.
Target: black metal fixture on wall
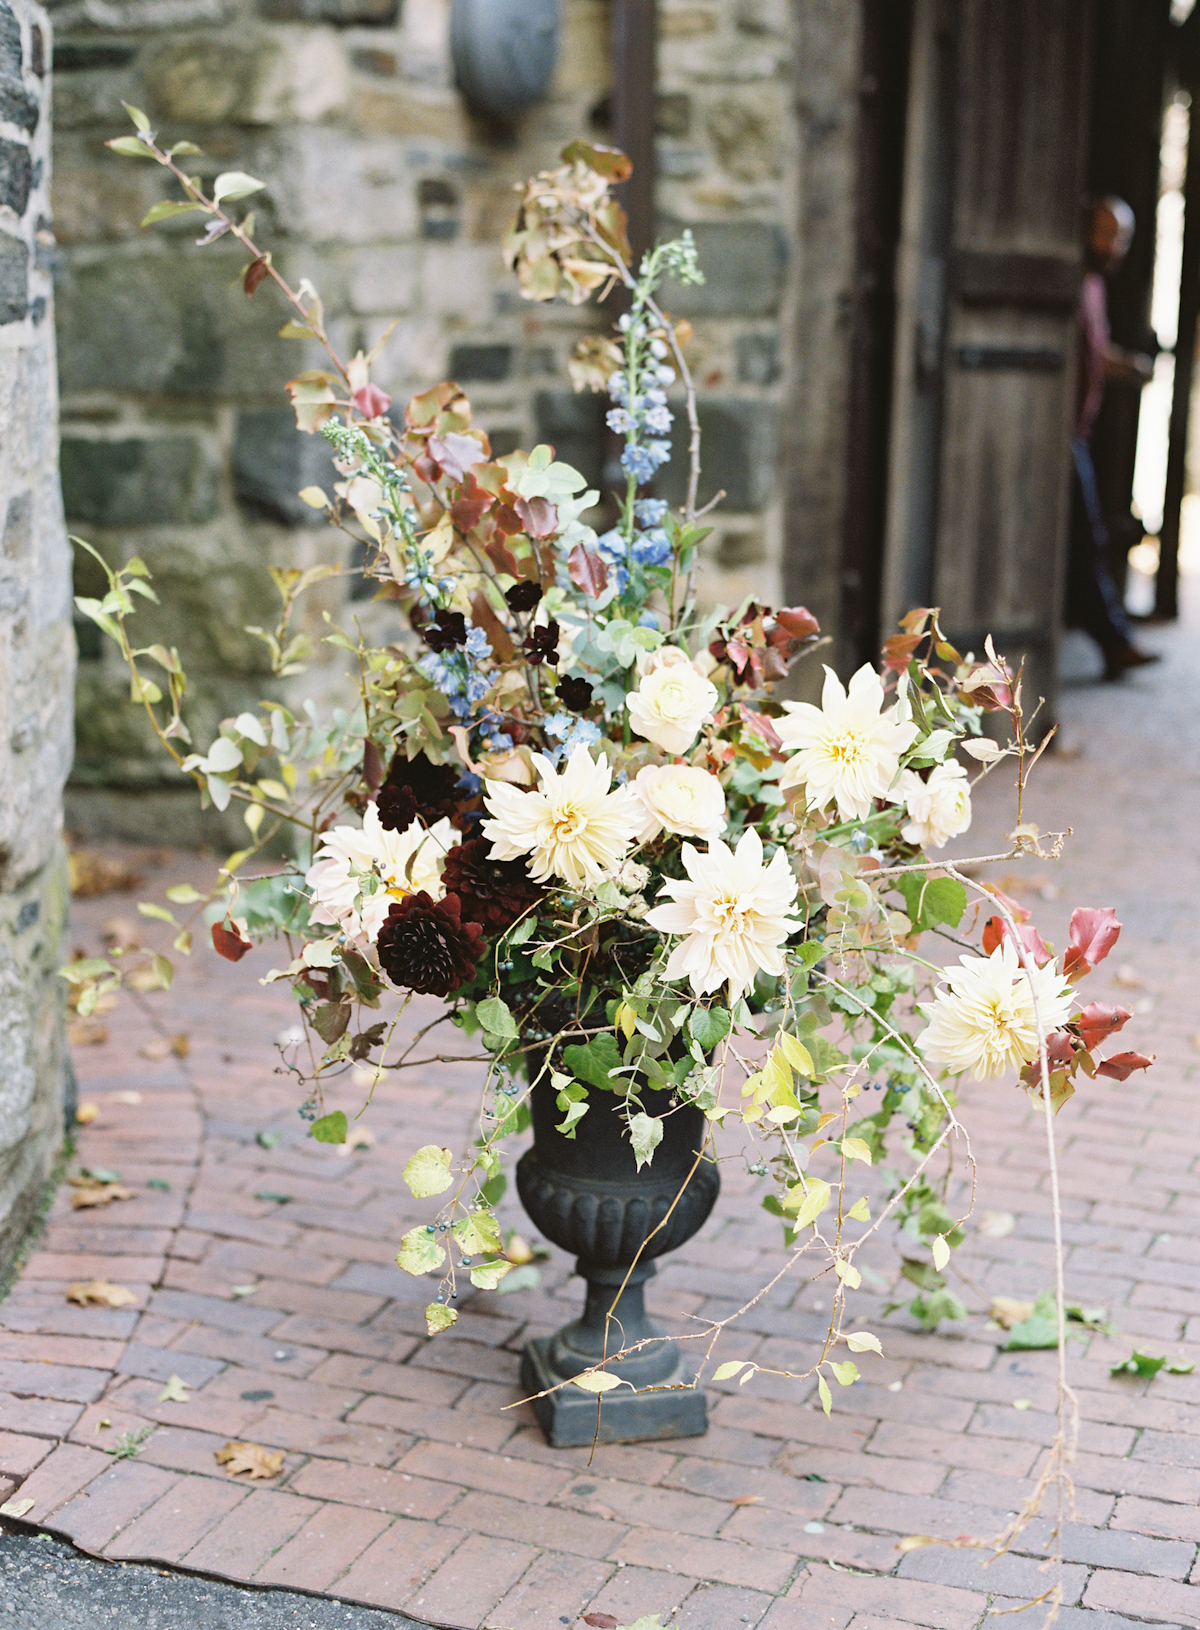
{"points": [[504, 53]]}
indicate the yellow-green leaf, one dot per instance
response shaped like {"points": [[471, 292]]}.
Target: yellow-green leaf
{"points": [[148, 909], [856, 1149], [941, 1253], [812, 1204], [862, 1341], [848, 1273], [129, 147], [419, 1252], [725, 1372], [136, 114], [166, 210], [598, 1381], [846, 1372], [428, 1171], [797, 1054], [183, 894], [860, 1210], [489, 1274], [313, 497], [175, 1392], [478, 1234], [825, 1394], [235, 184], [439, 1317]]}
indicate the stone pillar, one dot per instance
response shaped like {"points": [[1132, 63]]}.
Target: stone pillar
{"points": [[36, 646]]}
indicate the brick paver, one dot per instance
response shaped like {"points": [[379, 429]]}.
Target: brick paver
{"points": [[263, 1278]]}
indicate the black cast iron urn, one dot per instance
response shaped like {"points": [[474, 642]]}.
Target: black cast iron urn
{"points": [[587, 1196]]}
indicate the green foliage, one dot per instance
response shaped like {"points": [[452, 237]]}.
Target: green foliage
{"points": [[930, 901], [330, 1128]]}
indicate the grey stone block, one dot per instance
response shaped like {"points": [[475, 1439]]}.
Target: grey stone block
{"points": [[486, 364], [737, 450], [381, 13], [758, 359], [743, 264], [574, 427], [16, 176], [173, 325], [140, 480], [14, 279], [18, 106], [272, 460]]}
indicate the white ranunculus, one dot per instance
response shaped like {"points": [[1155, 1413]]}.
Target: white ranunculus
{"points": [[938, 809], [574, 826], [672, 701], [402, 862], [734, 914], [678, 798], [847, 751], [983, 1018]]}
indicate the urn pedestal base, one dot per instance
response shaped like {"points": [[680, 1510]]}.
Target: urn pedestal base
{"points": [[660, 1400]]}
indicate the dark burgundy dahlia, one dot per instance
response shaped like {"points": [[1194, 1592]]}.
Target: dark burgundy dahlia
{"points": [[416, 786], [425, 946], [493, 892]]}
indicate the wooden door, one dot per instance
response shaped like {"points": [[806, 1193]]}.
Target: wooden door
{"points": [[988, 277]]}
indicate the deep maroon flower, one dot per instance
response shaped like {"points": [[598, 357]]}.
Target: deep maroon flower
{"points": [[448, 629], [425, 946], [575, 694], [523, 596], [493, 892], [541, 645], [416, 786]]}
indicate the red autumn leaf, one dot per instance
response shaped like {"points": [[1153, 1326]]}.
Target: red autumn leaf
{"points": [[1094, 932], [254, 274], [507, 520], [1060, 1048], [588, 572], [1098, 1020], [995, 930], [502, 557], [798, 622], [425, 468], [600, 1621], [498, 636], [372, 767], [466, 512], [229, 943], [456, 453], [1122, 1065], [763, 725], [371, 402], [538, 516]]}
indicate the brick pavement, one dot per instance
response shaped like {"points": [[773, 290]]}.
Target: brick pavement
{"points": [[404, 1484]]}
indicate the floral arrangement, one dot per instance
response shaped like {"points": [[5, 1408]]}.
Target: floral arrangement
{"points": [[571, 803]]}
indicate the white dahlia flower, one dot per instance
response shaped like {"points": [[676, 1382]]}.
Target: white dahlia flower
{"points": [[403, 863], [678, 798], [573, 826], [734, 914], [672, 701], [982, 1019], [938, 809], [847, 751]]}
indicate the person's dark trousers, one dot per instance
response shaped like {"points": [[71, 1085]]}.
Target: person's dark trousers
{"points": [[1093, 602]]}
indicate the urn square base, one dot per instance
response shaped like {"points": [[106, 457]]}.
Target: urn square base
{"points": [[675, 1409]]}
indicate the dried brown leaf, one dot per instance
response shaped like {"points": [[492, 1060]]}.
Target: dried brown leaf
{"points": [[99, 1292], [86, 1033], [99, 1194], [250, 1458]]}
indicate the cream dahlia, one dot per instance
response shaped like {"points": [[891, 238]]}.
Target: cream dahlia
{"points": [[402, 862], [848, 750], [734, 914], [983, 1019], [938, 809], [574, 826], [672, 701], [678, 798]]}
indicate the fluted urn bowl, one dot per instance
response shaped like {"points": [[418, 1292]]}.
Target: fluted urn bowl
{"points": [[587, 1196]]}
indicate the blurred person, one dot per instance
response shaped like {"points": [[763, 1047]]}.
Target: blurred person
{"points": [[1093, 601]]}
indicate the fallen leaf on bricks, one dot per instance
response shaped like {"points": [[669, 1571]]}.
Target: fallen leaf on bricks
{"points": [[100, 1292], [175, 1392], [99, 1194], [997, 1224], [1007, 1312], [18, 1508], [1129, 978], [92, 873], [126, 1097], [86, 1033], [745, 1499], [250, 1458], [86, 1113], [164, 1046], [600, 1621]]}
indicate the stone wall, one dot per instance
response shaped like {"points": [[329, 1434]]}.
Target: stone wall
{"points": [[391, 198], [36, 648]]}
